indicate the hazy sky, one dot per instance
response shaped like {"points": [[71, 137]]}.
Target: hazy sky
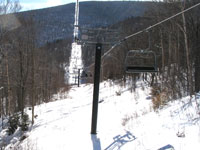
{"points": [[36, 4]]}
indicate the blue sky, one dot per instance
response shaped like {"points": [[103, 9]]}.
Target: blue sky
{"points": [[36, 4]]}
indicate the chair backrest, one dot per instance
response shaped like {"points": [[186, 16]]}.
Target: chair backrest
{"points": [[140, 61]]}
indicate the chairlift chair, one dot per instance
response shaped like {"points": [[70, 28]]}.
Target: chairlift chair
{"points": [[140, 61], [86, 74]]}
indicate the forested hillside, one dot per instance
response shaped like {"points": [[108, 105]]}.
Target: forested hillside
{"points": [[58, 22]]}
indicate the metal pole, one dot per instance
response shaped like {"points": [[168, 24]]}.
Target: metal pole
{"points": [[96, 87], [75, 79], [79, 77], [1, 89]]}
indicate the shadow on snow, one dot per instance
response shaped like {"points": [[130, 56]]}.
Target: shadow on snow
{"points": [[96, 142], [120, 141], [167, 147]]}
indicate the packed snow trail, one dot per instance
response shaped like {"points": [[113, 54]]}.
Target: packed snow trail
{"points": [[75, 63], [66, 124], [76, 52], [126, 121], [60, 126]]}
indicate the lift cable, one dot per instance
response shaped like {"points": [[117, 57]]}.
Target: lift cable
{"points": [[148, 28], [144, 30]]}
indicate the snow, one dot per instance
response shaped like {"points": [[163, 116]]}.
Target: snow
{"points": [[75, 63], [76, 52], [126, 121]]}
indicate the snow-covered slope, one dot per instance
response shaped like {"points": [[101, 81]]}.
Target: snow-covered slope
{"points": [[126, 121], [75, 63]]}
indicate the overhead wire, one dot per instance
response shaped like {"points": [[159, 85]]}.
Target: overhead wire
{"points": [[144, 30], [148, 28]]}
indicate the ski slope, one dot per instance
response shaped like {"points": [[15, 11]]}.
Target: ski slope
{"points": [[76, 52], [126, 121], [75, 63]]}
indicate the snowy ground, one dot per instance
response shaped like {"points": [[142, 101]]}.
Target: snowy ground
{"points": [[75, 63], [125, 122]]}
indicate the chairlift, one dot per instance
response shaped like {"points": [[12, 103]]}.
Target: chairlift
{"points": [[140, 61], [85, 74]]}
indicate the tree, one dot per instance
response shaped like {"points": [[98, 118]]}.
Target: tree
{"points": [[7, 23], [9, 6]]}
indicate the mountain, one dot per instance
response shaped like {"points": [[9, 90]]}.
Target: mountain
{"points": [[57, 22]]}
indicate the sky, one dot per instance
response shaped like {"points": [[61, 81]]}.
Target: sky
{"points": [[37, 4]]}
